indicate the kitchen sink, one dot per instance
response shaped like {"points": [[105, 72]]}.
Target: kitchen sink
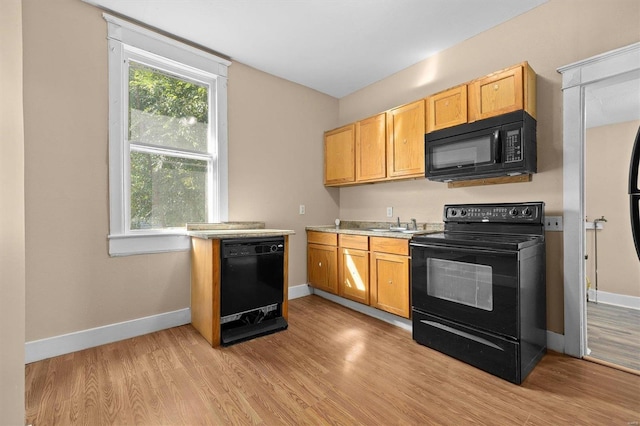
{"points": [[400, 230]]}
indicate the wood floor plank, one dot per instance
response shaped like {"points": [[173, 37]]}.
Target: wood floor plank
{"points": [[613, 334], [332, 366]]}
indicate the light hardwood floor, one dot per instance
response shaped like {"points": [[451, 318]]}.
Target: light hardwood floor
{"points": [[613, 334], [332, 366]]}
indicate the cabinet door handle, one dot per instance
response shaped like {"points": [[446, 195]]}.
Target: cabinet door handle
{"points": [[320, 264], [390, 282]]}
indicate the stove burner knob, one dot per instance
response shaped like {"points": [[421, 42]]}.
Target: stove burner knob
{"points": [[513, 212], [453, 212], [526, 211], [463, 212]]}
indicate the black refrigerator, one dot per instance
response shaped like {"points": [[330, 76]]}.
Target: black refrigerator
{"points": [[634, 193]]}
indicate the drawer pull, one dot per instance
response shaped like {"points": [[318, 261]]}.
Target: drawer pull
{"points": [[462, 334]]}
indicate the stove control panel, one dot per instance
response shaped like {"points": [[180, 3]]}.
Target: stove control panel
{"points": [[500, 213]]}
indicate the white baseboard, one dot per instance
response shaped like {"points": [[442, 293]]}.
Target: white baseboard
{"points": [[38, 350], [631, 302], [301, 290], [367, 310], [59, 345], [555, 341]]}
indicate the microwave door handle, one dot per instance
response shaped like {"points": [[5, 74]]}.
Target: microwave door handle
{"points": [[497, 146]]}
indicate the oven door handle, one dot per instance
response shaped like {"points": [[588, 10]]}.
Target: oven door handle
{"points": [[462, 334], [463, 249]]}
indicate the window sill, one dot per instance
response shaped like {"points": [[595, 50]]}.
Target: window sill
{"points": [[128, 245]]}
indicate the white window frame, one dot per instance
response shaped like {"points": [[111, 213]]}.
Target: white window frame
{"points": [[126, 40]]}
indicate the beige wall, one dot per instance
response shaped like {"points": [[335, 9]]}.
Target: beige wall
{"points": [[275, 162], [554, 34], [12, 223], [608, 152], [275, 157]]}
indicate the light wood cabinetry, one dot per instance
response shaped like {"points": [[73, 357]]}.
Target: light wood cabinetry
{"points": [[390, 145], [405, 140], [370, 270], [353, 267], [371, 148], [339, 156], [447, 108], [503, 91], [322, 261], [389, 275]]}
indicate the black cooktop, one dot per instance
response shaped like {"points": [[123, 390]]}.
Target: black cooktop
{"points": [[504, 226], [479, 240]]}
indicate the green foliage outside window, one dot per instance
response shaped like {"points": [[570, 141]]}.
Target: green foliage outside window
{"points": [[167, 190]]}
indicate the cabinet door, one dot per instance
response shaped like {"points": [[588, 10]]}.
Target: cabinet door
{"points": [[496, 94], [322, 267], [339, 156], [390, 283], [371, 148], [447, 109], [406, 129], [353, 281]]}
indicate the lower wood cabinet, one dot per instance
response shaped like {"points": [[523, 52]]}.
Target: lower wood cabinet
{"points": [[353, 267], [389, 275], [370, 270], [322, 261]]}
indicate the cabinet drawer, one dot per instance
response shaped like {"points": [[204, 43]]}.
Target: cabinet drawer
{"points": [[389, 245], [359, 242], [326, 238]]}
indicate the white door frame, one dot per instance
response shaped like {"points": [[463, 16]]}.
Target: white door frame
{"points": [[575, 78]]}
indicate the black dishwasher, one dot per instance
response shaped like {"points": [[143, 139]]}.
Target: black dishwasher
{"points": [[251, 288]]}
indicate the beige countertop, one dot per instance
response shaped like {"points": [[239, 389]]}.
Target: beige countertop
{"points": [[213, 231], [365, 228]]}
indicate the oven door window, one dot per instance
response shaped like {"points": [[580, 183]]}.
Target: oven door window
{"points": [[477, 287], [459, 282]]}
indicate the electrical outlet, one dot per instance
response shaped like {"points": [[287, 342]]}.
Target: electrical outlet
{"points": [[389, 211], [302, 209], [553, 223]]}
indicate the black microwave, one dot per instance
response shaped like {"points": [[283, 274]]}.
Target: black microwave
{"points": [[498, 146]]}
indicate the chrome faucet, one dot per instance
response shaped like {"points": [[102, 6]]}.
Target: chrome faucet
{"points": [[415, 224], [398, 221]]}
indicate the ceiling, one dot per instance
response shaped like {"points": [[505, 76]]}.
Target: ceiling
{"points": [[333, 46], [613, 100]]}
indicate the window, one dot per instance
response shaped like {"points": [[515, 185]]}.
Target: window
{"points": [[167, 140]]}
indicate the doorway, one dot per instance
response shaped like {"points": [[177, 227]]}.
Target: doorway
{"points": [[612, 266], [577, 79]]}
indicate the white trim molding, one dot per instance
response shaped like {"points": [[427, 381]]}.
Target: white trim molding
{"points": [[622, 300], [38, 350], [575, 79], [60, 345], [129, 41]]}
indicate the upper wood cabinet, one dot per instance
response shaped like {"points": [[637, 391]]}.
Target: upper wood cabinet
{"points": [[390, 145], [339, 156], [371, 148], [405, 140], [503, 91], [447, 108]]}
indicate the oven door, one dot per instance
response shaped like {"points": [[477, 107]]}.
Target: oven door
{"points": [[473, 286]]}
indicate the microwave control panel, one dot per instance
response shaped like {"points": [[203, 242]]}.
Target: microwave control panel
{"points": [[513, 146]]}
